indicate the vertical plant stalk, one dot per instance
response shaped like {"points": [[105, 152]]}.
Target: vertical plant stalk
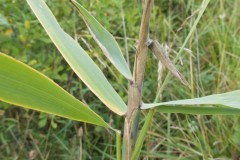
{"points": [[135, 86], [119, 144]]}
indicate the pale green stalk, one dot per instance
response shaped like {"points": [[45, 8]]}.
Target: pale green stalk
{"points": [[119, 144]]}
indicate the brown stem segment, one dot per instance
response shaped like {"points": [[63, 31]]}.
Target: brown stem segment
{"points": [[135, 87]]}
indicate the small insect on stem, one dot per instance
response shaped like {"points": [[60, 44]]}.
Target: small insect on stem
{"points": [[162, 55]]}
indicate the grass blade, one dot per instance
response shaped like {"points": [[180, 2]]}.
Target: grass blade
{"points": [[199, 110], [77, 58], [230, 99], [141, 136], [23, 86], [105, 40], [203, 8]]}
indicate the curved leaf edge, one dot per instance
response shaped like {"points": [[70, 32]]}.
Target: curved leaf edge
{"points": [[103, 123], [230, 99], [123, 68]]}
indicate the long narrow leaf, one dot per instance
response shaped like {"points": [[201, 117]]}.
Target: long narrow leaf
{"points": [[77, 58], [199, 110], [105, 40], [23, 86], [179, 109], [230, 99], [141, 137]]}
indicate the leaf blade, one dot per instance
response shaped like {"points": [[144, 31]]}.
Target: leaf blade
{"points": [[105, 41], [23, 86], [195, 110], [230, 99], [78, 59]]}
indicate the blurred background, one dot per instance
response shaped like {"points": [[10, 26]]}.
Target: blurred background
{"points": [[210, 62]]}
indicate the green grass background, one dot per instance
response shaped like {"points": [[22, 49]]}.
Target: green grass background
{"points": [[213, 68]]}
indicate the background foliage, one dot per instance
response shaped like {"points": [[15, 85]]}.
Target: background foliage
{"points": [[213, 68]]}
